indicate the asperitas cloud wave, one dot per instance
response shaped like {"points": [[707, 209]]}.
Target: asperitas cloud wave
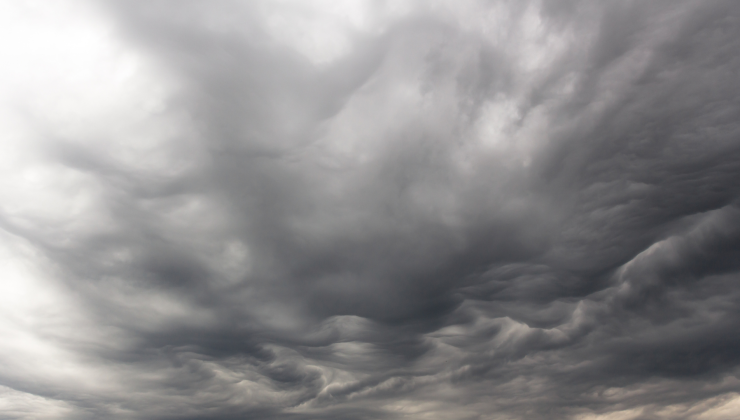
{"points": [[370, 209]]}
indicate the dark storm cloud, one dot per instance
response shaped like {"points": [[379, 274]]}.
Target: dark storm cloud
{"points": [[464, 211]]}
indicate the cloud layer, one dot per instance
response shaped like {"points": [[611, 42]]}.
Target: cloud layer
{"points": [[370, 210]]}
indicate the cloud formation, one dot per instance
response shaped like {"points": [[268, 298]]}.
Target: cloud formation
{"points": [[370, 210]]}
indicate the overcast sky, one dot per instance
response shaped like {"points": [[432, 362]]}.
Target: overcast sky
{"points": [[356, 210]]}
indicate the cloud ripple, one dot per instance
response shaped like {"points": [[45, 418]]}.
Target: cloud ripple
{"points": [[368, 210]]}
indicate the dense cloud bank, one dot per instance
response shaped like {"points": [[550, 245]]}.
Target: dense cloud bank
{"points": [[370, 210]]}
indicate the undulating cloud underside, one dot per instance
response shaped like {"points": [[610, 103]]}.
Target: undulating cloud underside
{"points": [[370, 209]]}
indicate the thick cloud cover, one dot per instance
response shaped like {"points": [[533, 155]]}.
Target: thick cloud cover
{"points": [[370, 209]]}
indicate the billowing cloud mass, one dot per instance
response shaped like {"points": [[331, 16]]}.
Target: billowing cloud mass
{"points": [[349, 209]]}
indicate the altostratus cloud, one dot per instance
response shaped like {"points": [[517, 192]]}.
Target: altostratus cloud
{"points": [[369, 210]]}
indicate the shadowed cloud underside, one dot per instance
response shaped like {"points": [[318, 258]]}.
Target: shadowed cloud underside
{"points": [[370, 210]]}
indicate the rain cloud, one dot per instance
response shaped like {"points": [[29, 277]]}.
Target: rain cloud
{"points": [[357, 209]]}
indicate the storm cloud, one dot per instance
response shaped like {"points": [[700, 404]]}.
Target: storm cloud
{"points": [[370, 209]]}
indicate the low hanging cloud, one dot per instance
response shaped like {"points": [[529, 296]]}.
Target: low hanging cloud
{"points": [[370, 210]]}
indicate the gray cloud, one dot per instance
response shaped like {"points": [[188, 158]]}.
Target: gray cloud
{"points": [[373, 210]]}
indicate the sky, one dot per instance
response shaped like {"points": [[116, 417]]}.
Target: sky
{"points": [[356, 209]]}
